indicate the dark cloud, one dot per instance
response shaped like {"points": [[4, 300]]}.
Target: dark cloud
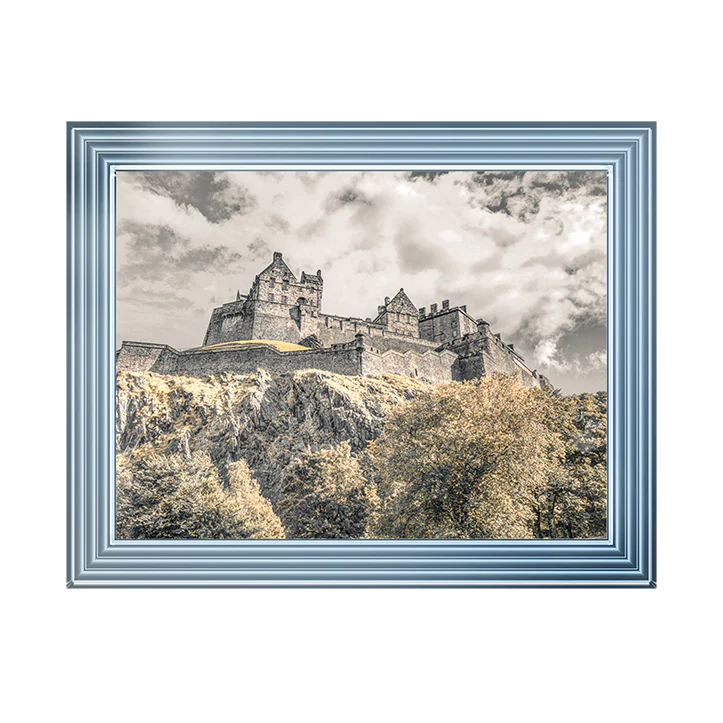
{"points": [[258, 247], [415, 254], [350, 195], [520, 194], [430, 176], [209, 192], [156, 252], [277, 223]]}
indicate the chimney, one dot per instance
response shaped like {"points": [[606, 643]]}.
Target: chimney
{"points": [[445, 304], [277, 255], [464, 308], [433, 309], [422, 312]]}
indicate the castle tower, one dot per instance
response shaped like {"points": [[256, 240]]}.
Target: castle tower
{"points": [[444, 325], [278, 307]]}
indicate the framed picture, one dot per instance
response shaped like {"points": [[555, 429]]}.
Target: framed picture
{"points": [[361, 354]]}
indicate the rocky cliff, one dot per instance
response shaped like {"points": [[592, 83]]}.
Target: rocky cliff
{"points": [[265, 420]]}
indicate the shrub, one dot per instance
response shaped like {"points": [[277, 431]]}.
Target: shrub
{"points": [[324, 495], [182, 497]]}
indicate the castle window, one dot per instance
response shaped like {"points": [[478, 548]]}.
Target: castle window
{"points": [[285, 285], [397, 316], [283, 299], [272, 282], [271, 297]]}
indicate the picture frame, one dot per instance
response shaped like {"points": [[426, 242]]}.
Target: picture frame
{"points": [[97, 151]]}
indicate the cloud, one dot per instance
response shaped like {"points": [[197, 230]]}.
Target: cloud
{"points": [[524, 250], [548, 355], [151, 298], [155, 252], [211, 193]]}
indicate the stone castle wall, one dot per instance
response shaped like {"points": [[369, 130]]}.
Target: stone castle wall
{"points": [[248, 360], [352, 358], [484, 353], [162, 359], [338, 329], [136, 356], [430, 366]]}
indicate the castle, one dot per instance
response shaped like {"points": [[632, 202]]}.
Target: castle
{"points": [[279, 326]]}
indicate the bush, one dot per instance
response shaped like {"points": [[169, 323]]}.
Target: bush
{"points": [[180, 497], [325, 495]]}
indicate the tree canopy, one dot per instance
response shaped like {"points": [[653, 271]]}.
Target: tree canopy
{"points": [[490, 459], [181, 497], [324, 495]]}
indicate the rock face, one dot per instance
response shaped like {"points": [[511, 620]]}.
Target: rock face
{"points": [[263, 419]]}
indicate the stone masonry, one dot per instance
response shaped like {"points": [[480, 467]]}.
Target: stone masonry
{"points": [[441, 345]]}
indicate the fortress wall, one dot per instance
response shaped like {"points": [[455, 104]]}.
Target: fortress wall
{"points": [[135, 356], [213, 331], [338, 330], [228, 323], [483, 354], [498, 358], [248, 360], [236, 325], [431, 366], [274, 321]]}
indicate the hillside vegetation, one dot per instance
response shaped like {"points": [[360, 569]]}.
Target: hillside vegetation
{"points": [[311, 454]]}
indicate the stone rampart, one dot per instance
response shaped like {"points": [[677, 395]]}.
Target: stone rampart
{"points": [[432, 366], [248, 359], [352, 358], [137, 356]]}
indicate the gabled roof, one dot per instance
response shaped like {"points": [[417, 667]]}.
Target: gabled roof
{"points": [[279, 266], [401, 302]]}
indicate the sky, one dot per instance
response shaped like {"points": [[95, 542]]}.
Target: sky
{"points": [[525, 250]]}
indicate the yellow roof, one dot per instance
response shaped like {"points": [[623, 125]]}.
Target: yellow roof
{"points": [[278, 345]]}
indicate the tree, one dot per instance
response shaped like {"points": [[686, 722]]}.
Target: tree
{"points": [[182, 496], [324, 495], [573, 504], [466, 460]]}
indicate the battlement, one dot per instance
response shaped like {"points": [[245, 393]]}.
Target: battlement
{"points": [[445, 324]]}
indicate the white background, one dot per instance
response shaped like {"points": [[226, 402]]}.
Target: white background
{"points": [[360, 655]]}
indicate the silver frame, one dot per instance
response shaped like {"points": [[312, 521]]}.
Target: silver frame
{"points": [[96, 151]]}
